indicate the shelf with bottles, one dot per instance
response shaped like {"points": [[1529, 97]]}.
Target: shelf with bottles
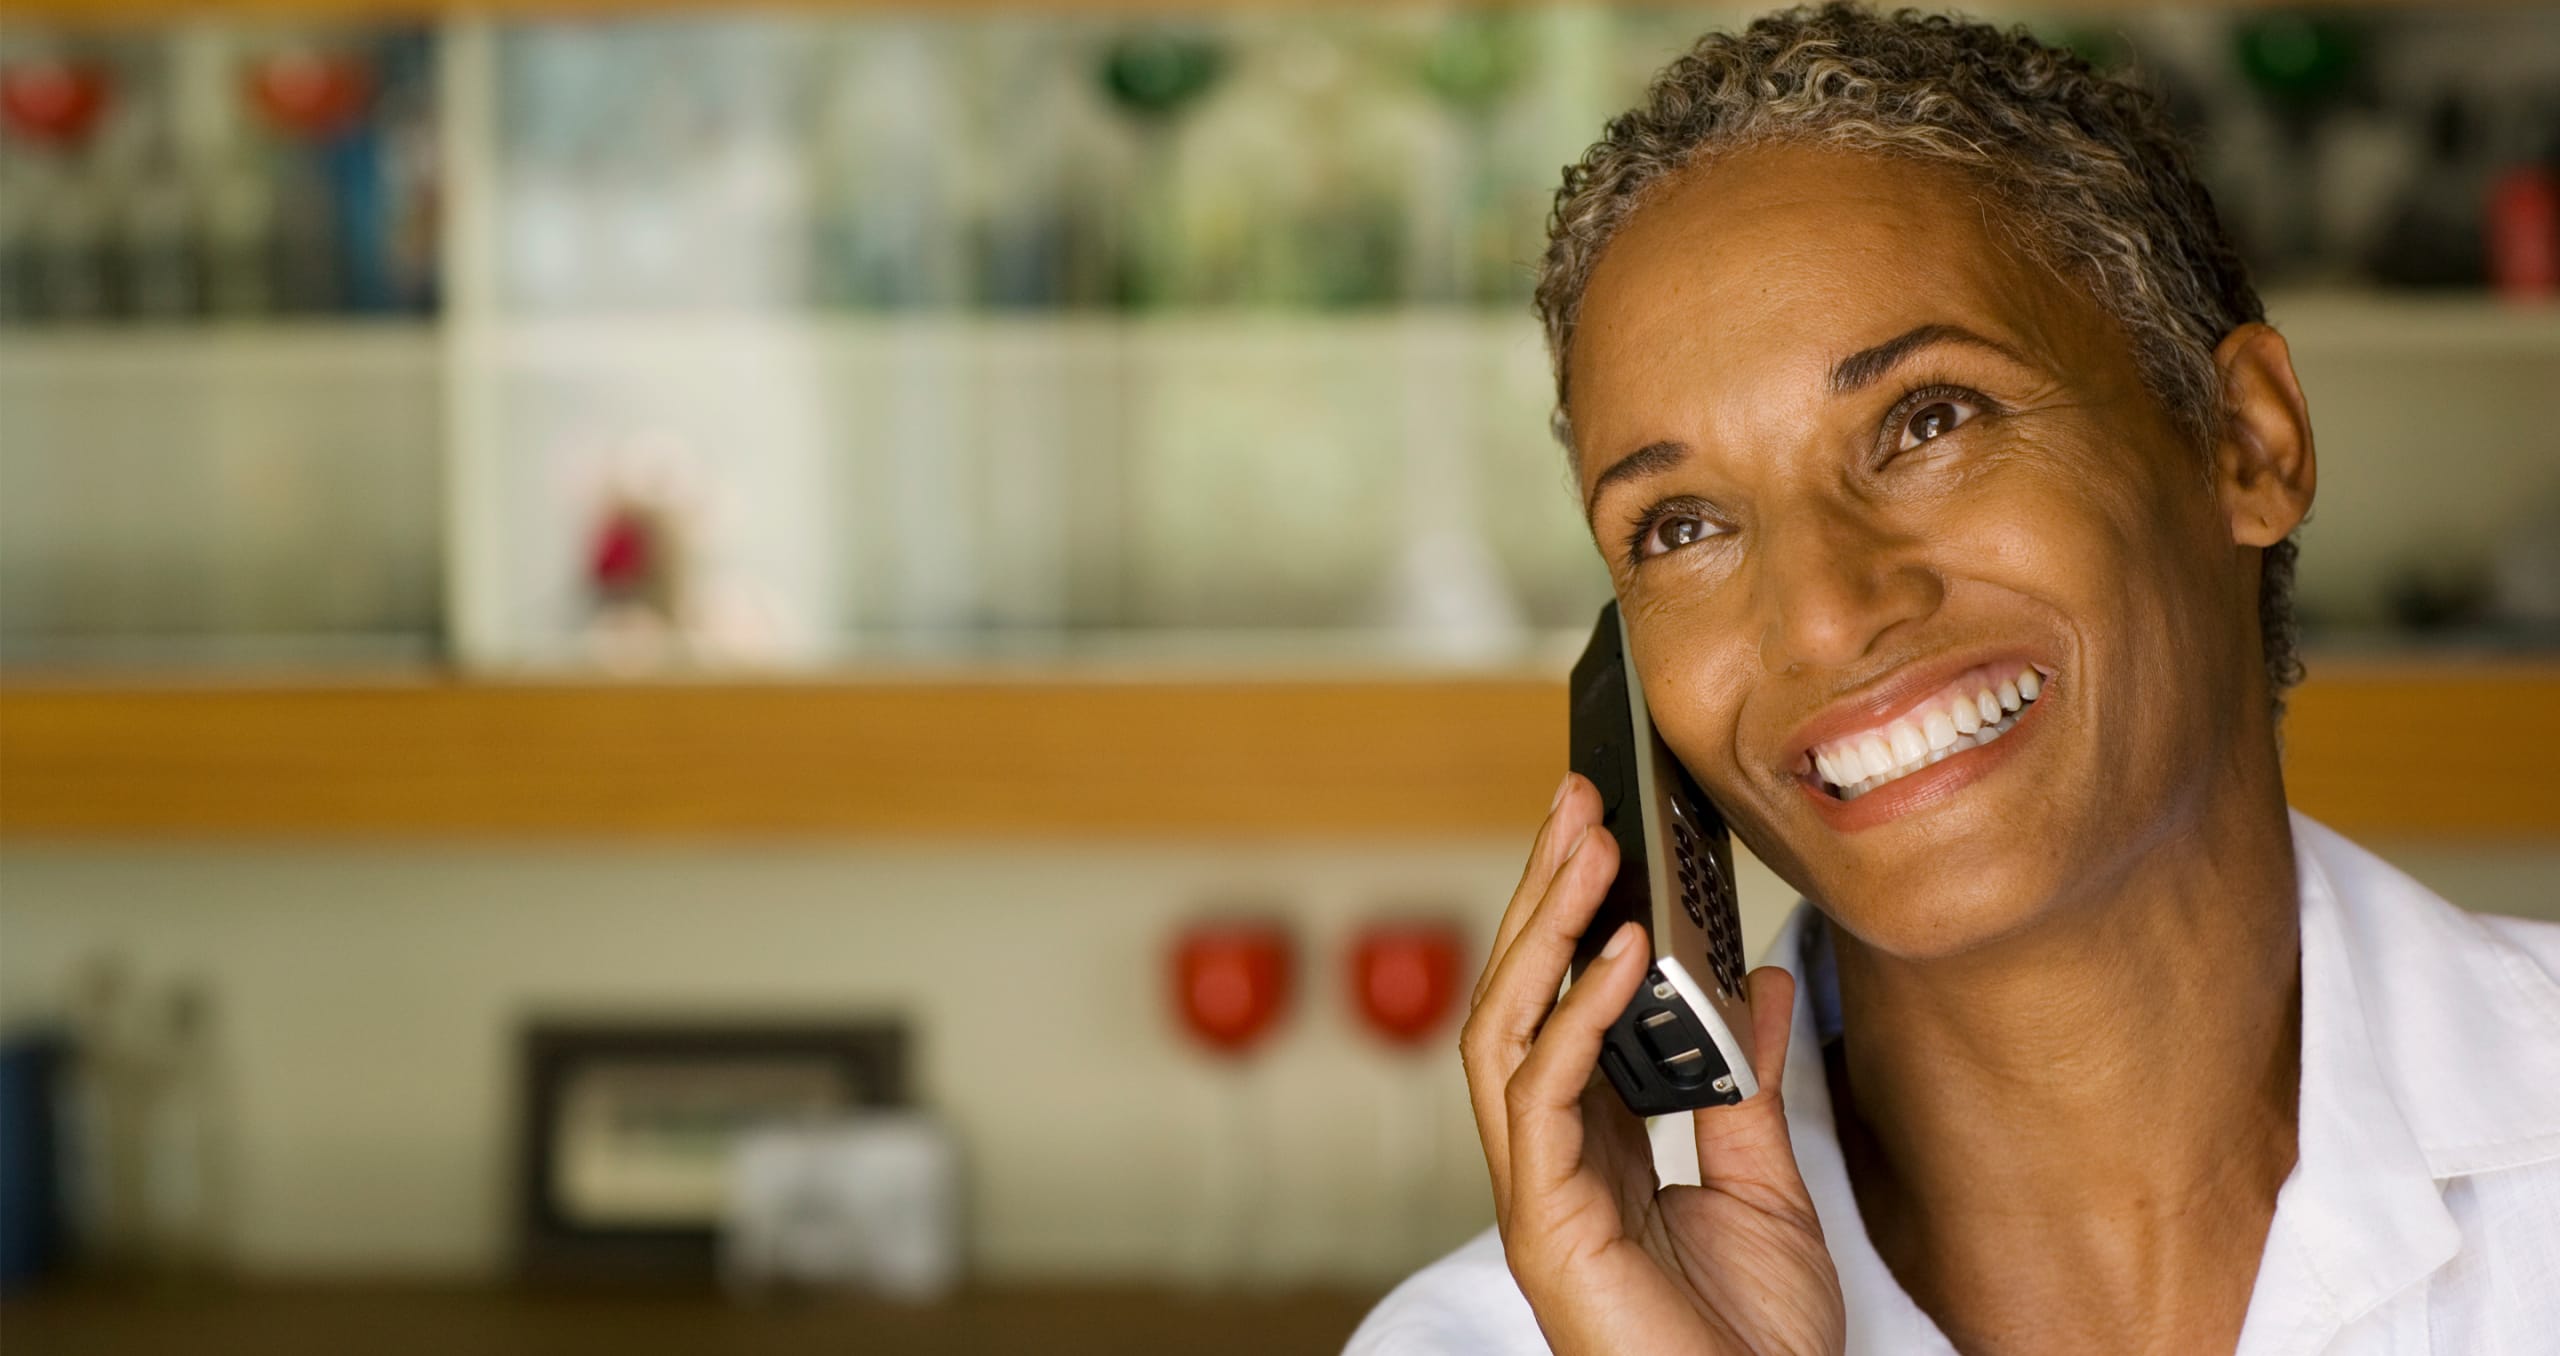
{"points": [[1215, 158], [784, 339], [1041, 163], [216, 173]]}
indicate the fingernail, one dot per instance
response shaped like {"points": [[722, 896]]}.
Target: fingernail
{"points": [[1626, 933], [1561, 788]]}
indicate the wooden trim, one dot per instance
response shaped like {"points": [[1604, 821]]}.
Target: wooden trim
{"points": [[962, 758], [2387, 750]]}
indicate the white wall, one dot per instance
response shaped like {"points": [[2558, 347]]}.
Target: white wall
{"points": [[370, 998]]}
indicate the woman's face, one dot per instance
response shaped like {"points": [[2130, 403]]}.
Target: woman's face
{"points": [[1854, 460]]}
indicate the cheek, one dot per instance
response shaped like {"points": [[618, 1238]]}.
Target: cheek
{"points": [[2081, 530], [1697, 666]]}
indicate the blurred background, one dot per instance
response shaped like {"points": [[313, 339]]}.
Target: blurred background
{"points": [[740, 680]]}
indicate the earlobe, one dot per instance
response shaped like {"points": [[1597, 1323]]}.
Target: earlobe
{"points": [[2265, 470]]}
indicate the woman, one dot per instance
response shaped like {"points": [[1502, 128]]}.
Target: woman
{"points": [[1901, 362]]}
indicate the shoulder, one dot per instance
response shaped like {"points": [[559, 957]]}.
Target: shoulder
{"points": [[1464, 1303], [2400, 927], [2463, 1009], [2533, 940]]}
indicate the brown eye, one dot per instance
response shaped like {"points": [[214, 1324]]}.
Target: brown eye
{"points": [[1935, 419], [1674, 531]]}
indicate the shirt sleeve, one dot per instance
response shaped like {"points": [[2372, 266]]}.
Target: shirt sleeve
{"points": [[1465, 1304]]}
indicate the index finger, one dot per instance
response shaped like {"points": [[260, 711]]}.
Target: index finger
{"points": [[1576, 807]]}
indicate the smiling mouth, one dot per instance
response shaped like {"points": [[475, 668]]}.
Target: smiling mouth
{"points": [[1972, 711]]}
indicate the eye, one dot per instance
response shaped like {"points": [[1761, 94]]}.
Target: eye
{"points": [[1671, 529], [1934, 416]]}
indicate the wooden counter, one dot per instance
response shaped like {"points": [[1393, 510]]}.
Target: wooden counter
{"points": [[2416, 749]]}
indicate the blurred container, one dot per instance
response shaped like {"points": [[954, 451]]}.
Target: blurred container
{"points": [[31, 1163], [2524, 233], [868, 1203]]}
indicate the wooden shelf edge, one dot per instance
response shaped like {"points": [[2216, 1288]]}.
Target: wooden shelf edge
{"points": [[2387, 749]]}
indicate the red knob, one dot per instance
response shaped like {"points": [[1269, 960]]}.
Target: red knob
{"points": [[308, 93], [1404, 977], [1231, 981], [53, 102]]}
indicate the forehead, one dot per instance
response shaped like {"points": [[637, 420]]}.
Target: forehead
{"points": [[1753, 273]]}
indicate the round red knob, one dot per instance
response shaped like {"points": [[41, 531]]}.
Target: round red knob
{"points": [[1404, 977], [1231, 981]]}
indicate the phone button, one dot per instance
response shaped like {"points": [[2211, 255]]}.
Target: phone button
{"points": [[1675, 1048]]}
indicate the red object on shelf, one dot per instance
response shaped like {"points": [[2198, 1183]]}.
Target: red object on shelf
{"points": [[57, 103], [625, 552], [308, 93], [2524, 233], [1231, 981], [1404, 978]]}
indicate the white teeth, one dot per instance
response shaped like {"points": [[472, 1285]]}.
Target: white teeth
{"points": [[1863, 763], [1876, 759], [1908, 745]]}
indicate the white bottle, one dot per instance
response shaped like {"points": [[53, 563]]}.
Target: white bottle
{"points": [[184, 1144]]}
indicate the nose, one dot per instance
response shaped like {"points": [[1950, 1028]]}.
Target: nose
{"points": [[1831, 582]]}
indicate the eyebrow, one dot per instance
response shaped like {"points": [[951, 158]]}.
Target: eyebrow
{"points": [[1868, 364], [1644, 461], [1849, 374]]}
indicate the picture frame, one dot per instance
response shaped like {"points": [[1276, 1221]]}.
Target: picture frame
{"points": [[625, 1127]]}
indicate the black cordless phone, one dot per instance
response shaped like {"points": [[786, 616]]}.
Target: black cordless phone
{"points": [[1683, 1041]]}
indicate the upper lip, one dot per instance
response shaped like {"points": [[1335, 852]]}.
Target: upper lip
{"points": [[1898, 693]]}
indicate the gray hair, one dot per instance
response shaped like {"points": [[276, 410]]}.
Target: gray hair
{"points": [[2089, 175]]}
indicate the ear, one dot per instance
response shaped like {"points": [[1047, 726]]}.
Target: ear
{"points": [[2264, 471]]}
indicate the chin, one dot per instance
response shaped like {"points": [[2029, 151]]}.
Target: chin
{"points": [[1936, 915]]}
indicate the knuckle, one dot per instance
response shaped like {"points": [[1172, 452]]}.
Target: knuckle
{"points": [[1519, 1093]]}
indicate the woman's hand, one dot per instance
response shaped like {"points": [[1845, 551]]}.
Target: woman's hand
{"points": [[1609, 1263]]}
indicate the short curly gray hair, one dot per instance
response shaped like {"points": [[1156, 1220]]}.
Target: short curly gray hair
{"points": [[2091, 177]]}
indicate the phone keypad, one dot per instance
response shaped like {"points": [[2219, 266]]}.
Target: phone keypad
{"points": [[1707, 897]]}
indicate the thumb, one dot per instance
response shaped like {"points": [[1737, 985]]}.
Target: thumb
{"points": [[1748, 1143]]}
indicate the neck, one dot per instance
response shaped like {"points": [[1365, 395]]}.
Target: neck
{"points": [[2078, 1131]]}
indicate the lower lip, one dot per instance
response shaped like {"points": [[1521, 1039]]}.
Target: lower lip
{"points": [[1930, 786]]}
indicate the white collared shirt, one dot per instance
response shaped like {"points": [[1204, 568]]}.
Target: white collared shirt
{"points": [[2423, 1211]]}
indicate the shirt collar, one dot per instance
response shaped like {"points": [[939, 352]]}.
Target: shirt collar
{"points": [[2360, 1217], [1882, 1316], [2431, 1048]]}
